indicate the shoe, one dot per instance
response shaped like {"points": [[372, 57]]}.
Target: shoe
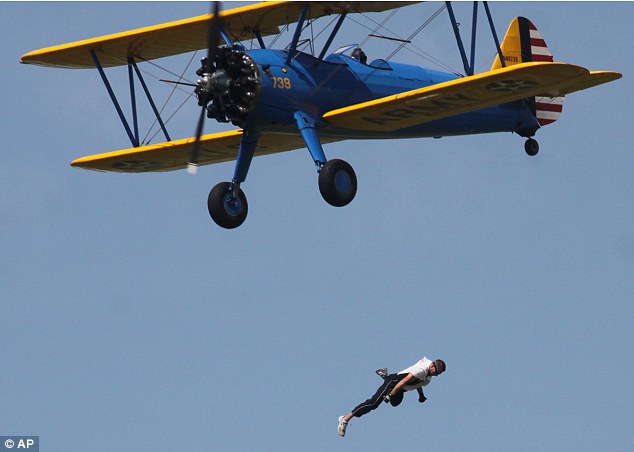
{"points": [[342, 426], [382, 372]]}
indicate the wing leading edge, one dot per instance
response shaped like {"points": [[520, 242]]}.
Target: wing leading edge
{"points": [[467, 94], [187, 35], [174, 155]]}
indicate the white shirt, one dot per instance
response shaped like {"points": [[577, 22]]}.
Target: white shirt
{"points": [[419, 370]]}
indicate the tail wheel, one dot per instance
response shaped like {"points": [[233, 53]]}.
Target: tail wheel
{"points": [[227, 209], [531, 147], [337, 183]]}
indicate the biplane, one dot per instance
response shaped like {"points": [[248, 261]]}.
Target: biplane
{"points": [[286, 99]]}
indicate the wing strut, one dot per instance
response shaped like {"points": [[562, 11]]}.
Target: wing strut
{"points": [[298, 31], [133, 136], [456, 31], [332, 36], [495, 35], [258, 36], [149, 97], [134, 139], [469, 65]]}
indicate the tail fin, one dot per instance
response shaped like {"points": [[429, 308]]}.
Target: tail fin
{"points": [[524, 43]]}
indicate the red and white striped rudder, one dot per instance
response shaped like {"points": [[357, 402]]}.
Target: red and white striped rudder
{"points": [[524, 43]]}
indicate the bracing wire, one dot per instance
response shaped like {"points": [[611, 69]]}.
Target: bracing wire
{"points": [[378, 26], [167, 120], [411, 47], [169, 97], [418, 30]]}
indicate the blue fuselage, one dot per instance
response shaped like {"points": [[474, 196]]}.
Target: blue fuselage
{"points": [[317, 87]]}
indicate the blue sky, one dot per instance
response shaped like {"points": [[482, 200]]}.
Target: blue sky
{"points": [[131, 322]]}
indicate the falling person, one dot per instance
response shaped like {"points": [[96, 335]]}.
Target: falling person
{"points": [[394, 386]]}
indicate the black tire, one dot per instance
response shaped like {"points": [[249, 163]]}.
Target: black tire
{"points": [[225, 214], [337, 183], [531, 147]]}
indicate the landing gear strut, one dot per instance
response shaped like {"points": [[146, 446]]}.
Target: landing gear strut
{"points": [[337, 181]]}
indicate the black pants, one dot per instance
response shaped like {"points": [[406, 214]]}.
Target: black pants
{"points": [[373, 402]]}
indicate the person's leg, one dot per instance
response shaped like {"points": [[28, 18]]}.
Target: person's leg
{"points": [[373, 402]]}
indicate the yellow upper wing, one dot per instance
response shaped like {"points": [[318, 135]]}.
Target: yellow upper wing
{"points": [[173, 155], [190, 34], [466, 94]]}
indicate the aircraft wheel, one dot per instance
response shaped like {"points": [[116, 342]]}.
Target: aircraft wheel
{"points": [[531, 147], [227, 210], [337, 183]]}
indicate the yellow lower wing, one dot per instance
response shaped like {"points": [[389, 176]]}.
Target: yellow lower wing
{"points": [[174, 155], [467, 94]]}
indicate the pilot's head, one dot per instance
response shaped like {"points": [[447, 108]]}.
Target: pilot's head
{"points": [[358, 54]]}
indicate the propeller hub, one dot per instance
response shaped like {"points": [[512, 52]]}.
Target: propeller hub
{"points": [[215, 83]]}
